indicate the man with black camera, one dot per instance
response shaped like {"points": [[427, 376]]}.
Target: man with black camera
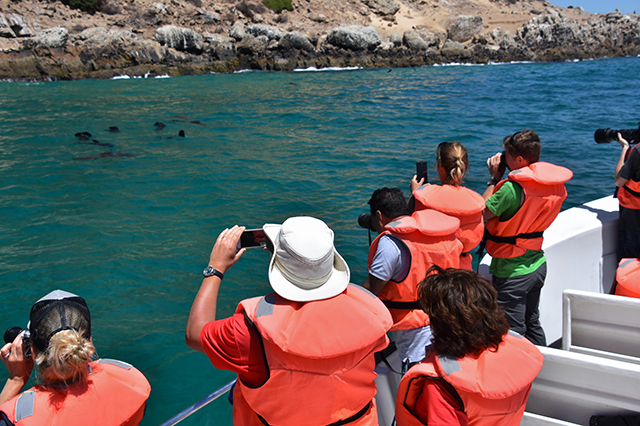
{"points": [[399, 259], [627, 179], [519, 209]]}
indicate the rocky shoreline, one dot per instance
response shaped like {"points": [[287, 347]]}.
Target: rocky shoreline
{"points": [[106, 50]]}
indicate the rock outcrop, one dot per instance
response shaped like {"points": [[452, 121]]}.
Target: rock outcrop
{"points": [[148, 40], [182, 39], [354, 37]]}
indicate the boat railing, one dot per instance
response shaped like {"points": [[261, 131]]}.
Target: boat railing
{"points": [[198, 405]]}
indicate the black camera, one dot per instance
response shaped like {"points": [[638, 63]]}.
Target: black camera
{"points": [[364, 220], [610, 135], [502, 167], [11, 334]]}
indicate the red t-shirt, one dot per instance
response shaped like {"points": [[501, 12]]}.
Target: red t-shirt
{"points": [[437, 407], [234, 344]]}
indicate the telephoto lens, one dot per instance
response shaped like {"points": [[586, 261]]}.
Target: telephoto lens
{"points": [[611, 135]]}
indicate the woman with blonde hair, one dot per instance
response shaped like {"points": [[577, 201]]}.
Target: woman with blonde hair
{"points": [[451, 198], [74, 389]]}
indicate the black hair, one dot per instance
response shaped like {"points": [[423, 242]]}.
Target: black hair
{"points": [[389, 201]]}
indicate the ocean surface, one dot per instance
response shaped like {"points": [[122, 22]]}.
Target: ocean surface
{"points": [[131, 230]]}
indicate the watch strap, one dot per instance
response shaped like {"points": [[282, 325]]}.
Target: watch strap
{"points": [[210, 271]]}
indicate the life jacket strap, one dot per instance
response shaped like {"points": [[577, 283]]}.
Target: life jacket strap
{"points": [[390, 304], [511, 239], [348, 420], [631, 191]]}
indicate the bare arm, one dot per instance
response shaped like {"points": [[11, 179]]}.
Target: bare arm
{"points": [[18, 366], [374, 285], [203, 310], [625, 147], [493, 164]]}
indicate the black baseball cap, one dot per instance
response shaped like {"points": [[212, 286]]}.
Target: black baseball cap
{"points": [[55, 312]]}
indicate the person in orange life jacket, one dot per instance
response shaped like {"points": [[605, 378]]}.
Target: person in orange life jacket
{"points": [[627, 180], [74, 389], [627, 282], [518, 210], [452, 198], [304, 354], [398, 261], [479, 372]]}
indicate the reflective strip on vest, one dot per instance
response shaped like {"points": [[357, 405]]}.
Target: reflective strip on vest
{"points": [[449, 364], [25, 405], [266, 305], [115, 362]]}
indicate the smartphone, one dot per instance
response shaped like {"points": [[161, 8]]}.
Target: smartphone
{"points": [[252, 238], [421, 171]]}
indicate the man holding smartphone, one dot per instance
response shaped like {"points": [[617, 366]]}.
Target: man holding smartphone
{"points": [[304, 354]]}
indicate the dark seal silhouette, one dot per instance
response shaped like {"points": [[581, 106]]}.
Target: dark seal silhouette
{"points": [[113, 129], [106, 154], [98, 143], [83, 136]]}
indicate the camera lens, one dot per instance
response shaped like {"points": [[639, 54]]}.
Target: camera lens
{"points": [[364, 220], [605, 135], [11, 334]]}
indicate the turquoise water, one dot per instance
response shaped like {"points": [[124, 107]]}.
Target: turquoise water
{"points": [[132, 234]]}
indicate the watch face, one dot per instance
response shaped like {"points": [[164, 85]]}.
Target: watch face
{"points": [[208, 272]]}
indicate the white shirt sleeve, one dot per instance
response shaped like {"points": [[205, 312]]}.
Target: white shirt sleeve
{"points": [[389, 261]]}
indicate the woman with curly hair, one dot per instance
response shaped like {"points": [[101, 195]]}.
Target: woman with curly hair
{"points": [[478, 373]]}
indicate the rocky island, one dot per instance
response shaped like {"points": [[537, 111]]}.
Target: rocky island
{"points": [[51, 40]]}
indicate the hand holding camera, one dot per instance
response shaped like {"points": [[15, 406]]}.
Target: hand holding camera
{"points": [[497, 165], [16, 356]]}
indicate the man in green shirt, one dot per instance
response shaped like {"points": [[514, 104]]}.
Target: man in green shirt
{"points": [[517, 212]]}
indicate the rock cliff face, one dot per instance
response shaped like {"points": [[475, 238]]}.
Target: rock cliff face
{"points": [[145, 37]]}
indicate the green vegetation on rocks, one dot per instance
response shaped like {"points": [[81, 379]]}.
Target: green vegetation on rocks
{"points": [[278, 5]]}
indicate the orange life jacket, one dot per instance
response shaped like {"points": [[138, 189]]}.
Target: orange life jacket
{"points": [[430, 237], [629, 194], [460, 202], [628, 278], [492, 389], [319, 358], [115, 394], [543, 192]]}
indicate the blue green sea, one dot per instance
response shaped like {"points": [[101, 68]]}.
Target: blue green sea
{"points": [[132, 233]]}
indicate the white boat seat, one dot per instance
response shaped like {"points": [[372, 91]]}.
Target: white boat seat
{"points": [[572, 387], [602, 325]]}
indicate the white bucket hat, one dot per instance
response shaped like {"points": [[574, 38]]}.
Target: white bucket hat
{"points": [[305, 265]]}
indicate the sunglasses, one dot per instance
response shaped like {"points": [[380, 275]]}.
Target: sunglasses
{"points": [[513, 144]]}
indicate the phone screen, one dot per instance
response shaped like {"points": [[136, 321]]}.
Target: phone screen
{"points": [[252, 238], [421, 171]]}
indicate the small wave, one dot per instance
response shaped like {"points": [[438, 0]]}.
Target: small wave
{"points": [[162, 76], [458, 64], [120, 77], [314, 69]]}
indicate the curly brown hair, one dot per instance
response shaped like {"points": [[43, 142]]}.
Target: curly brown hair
{"points": [[465, 316]]}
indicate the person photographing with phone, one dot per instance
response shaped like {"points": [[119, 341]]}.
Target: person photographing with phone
{"points": [[518, 210], [305, 353], [451, 198], [74, 390]]}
